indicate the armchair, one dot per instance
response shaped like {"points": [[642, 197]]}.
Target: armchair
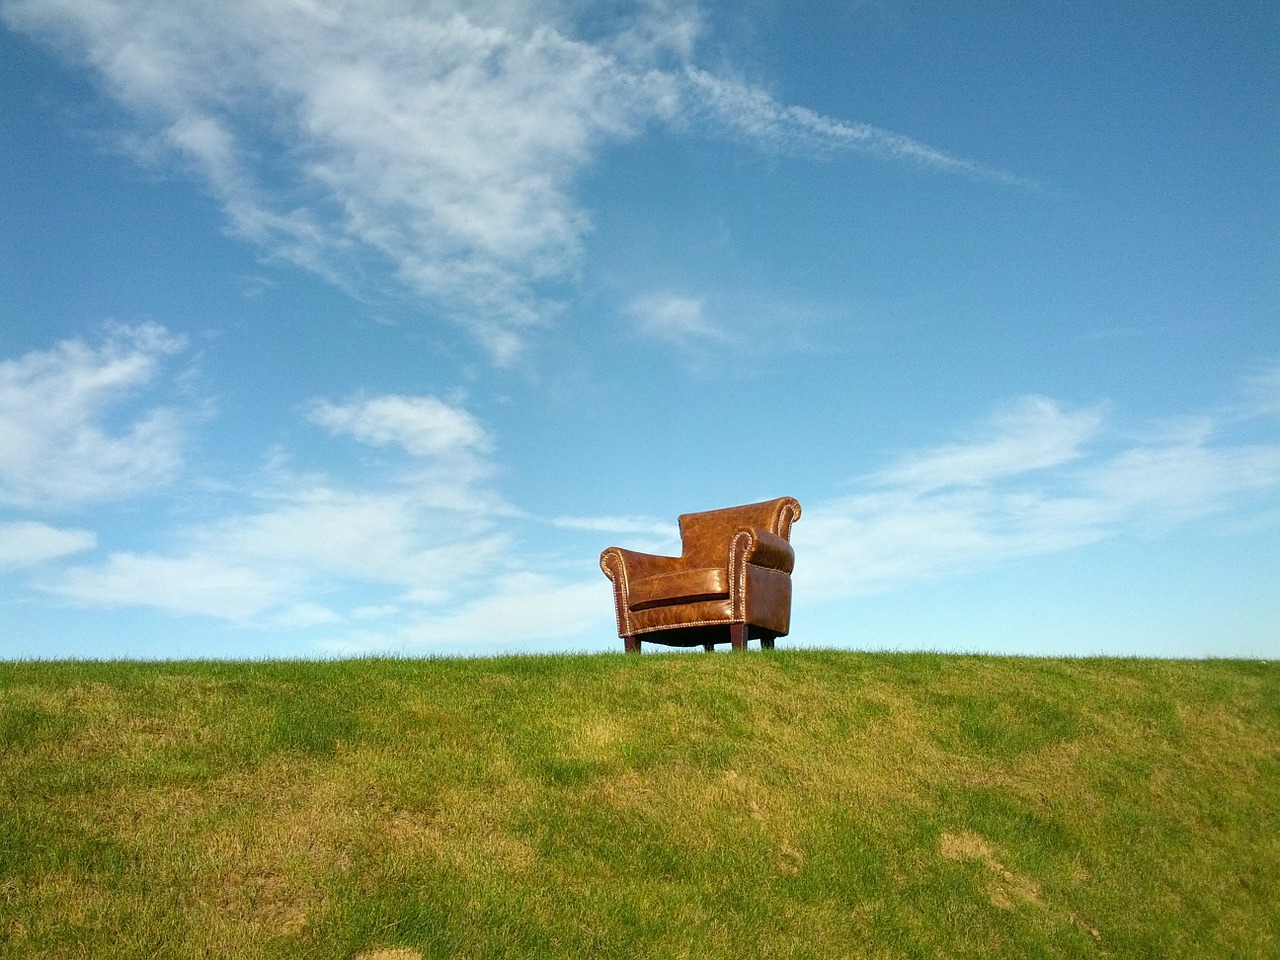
{"points": [[731, 583]]}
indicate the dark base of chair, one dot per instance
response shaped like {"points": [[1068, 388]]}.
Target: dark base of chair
{"points": [[735, 634]]}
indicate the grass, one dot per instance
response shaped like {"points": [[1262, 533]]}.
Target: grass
{"points": [[794, 804]]}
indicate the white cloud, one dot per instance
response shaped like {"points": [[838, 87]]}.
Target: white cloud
{"points": [[646, 526], [1183, 478], [754, 113], [389, 538], [423, 426], [886, 539], [302, 615], [264, 564], [1035, 479], [671, 317], [1032, 434], [227, 588], [449, 445], [26, 543], [1262, 391], [425, 537], [56, 449], [375, 611], [521, 610], [442, 139]]}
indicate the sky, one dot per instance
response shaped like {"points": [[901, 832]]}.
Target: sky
{"points": [[340, 329]]}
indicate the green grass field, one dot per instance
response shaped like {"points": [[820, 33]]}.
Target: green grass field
{"points": [[792, 804]]}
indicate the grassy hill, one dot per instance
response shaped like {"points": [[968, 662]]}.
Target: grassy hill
{"points": [[794, 804]]}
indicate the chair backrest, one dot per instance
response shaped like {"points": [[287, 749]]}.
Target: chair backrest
{"points": [[705, 536]]}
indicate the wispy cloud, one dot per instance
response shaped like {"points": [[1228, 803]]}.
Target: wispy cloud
{"points": [[677, 319], [1034, 479], [423, 426], [646, 526], [752, 112], [56, 446], [519, 611], [214, 586], [421, 530], [28, 543], [1262, 391], [449, 450], [440, 141], [1182, 477], [1033, 433], [305, 542], [419, 534]]}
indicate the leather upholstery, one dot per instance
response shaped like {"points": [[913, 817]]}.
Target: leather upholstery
{"points": [[731, 581], [680, 586]]}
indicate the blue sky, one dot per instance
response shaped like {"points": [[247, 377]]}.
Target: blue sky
{"points": [[340, 328]]}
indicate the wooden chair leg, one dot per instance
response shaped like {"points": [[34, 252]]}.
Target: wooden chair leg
{"points": [[631, 644], [738, 636]]}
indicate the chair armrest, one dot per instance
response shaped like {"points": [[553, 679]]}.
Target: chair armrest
{"points": [[765, 549], [622, 566]]}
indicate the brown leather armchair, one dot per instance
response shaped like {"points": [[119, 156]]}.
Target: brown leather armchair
{"points": [[731, 583]]}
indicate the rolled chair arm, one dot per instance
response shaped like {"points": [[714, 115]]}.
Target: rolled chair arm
{"points": [[621, 565], [765, 549], [624, 567]]}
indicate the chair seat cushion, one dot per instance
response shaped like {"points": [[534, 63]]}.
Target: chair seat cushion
{"points": [[683, 586]]}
